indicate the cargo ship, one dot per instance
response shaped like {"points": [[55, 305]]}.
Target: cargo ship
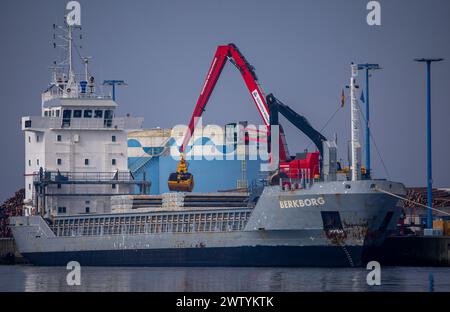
{"points": [[329, 224], [85, 202]]}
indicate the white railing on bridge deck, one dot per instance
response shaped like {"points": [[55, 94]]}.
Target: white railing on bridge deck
{"points": [[64, 176], [39, 122]]}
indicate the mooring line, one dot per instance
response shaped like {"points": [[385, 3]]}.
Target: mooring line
{"points": [[411, 201]]}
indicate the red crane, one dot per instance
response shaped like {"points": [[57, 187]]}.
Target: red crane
{"points": [[231, 53], [182, 180]]}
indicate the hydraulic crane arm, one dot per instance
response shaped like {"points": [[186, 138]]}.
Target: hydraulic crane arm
{"points": [[276, 106], [230, 52]]}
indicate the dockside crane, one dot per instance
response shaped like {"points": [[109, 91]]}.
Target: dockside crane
{"points": [[182, 180]]}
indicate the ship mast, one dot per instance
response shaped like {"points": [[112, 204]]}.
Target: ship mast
{"points": [[355, 145], [64, 76], [69, 52]]}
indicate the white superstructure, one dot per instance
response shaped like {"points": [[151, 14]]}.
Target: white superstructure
{"points": [[76, 147]]}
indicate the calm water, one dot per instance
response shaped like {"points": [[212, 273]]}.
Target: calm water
{"points": [[30, 278]]}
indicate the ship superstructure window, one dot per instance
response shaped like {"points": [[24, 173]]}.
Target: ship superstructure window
{"points": [[113, 138], [67, 114], [58, 138], [29, 162], [87, 113], [59, 161], [77, 113], [37, 162], [113, 186], [87, 209], [29, 139], [86, 162], [61, 209], [113, 161], [37, 138], [98, 113], [108, 118], [57, 113]]}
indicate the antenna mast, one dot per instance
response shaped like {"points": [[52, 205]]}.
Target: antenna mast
{"points": [[69, 52], [67, 81]]}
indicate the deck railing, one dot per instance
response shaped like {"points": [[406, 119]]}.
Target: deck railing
{"points": [[65, 176]]}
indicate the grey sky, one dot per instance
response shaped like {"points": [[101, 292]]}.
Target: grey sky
{"points": [[301, 51]]}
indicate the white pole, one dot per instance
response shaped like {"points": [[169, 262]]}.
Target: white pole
{"points": [[86, 61], [70, 53], [354, 124]]}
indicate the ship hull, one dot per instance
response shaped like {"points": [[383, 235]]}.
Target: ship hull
{"points": [[259, 256], [331, 224]]}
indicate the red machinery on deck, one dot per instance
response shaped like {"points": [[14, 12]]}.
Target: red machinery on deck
{"points": [[291, 167]]}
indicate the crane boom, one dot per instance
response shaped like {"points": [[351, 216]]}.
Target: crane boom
{"points": [[299, 121], [231, 52]]}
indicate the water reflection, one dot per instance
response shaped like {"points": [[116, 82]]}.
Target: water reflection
{"points": [[29, 278]]}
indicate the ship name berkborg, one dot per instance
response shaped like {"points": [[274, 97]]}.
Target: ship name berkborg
{"points": [[298, 203]]}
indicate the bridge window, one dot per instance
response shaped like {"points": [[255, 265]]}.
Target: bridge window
{"points": [[77, 113], [67, 114], [88, 113], [98, 114], [108, 118]]}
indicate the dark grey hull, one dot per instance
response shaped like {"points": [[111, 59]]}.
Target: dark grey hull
{"points": [[259, 256], [328, 225]]}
